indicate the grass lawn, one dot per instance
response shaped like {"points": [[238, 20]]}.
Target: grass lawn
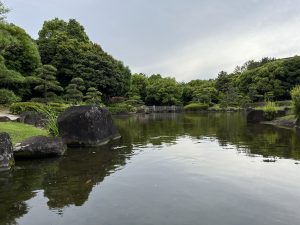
{"points": [[19, 131]]}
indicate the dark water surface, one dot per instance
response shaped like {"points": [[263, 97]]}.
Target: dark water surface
{"points": [[170, 169]]}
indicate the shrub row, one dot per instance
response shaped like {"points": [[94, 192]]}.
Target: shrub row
{"points": [[196, 107]]}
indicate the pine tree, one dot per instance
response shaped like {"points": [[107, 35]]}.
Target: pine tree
{"points": [[74, 90], [93, 96], [47, 83]]}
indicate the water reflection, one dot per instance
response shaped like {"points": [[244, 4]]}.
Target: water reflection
{"points": [[68, 181]]}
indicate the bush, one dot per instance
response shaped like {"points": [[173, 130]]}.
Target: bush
{"points": [[295, 93], [196, 107], [270, 110], [8, 97], [18, 108], [121, 108]]}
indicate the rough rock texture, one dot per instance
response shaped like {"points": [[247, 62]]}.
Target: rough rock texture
{"points": [[298, 122], [40, 147], [4, 119], [255, 116], [87, 126], [33, 118], [6, 152]]}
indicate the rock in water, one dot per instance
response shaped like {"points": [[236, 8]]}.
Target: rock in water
{"points": [[40, 147], [33, 118], [6, 152], [255, 116], [87, 126]]}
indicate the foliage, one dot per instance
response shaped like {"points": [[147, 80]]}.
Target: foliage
{"points": [[8, 97], [93, 96], [3, 12], [196, 107], [51, 116], [163, 91], [47, 81], [74, 90], [139, 83], [295, 93], [66, 46], [19, 132], [270, 110], [18, 108], [121, 108]]}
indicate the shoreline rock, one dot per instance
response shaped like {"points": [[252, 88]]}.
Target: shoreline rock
{"points": [[40, 147], [33, 118], [6, 152], [87, 126]]}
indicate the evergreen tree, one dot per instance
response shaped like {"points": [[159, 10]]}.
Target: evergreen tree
{"points": [[74, 90], [47, 83], [93, 96], [3, 12]]}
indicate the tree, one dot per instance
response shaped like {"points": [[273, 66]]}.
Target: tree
{"points": [[163, 91], [93, 96], [47, 83], [74, 90], [66, 46], [3, 12], [139, 83]]}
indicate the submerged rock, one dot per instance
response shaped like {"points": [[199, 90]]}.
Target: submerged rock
{"points": [[40, 147], [33, 118], [6, 152], [87, 126], [255, 116]]}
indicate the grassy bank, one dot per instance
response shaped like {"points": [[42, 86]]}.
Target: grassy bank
{"points": [[19, 132]]}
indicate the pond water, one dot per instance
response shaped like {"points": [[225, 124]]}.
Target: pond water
{"points": [[168, 169]]}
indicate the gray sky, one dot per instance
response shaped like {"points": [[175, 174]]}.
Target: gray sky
{"points": [[185, 39]]}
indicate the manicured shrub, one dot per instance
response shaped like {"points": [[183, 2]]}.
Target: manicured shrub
{"points": [[18, 108], [196, 107], [295, 93], [8, 97], [121, 108], [270, 110]]}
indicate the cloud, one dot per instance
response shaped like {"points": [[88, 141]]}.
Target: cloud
{"points": [[192, 39]]}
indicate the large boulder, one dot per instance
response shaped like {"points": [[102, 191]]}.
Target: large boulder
{"points": [[40, 147], [255, 116], [87, 126], [6, 152], [33, 118]]}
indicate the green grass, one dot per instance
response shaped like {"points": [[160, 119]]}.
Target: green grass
{"points": [[19, 132]]}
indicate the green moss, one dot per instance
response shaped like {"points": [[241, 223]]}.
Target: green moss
{"points": [[19, 132]]}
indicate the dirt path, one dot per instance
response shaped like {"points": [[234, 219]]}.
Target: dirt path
{"points": [[7, 114]]}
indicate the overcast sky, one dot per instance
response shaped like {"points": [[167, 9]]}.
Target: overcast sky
{"points": [[186, 39]]}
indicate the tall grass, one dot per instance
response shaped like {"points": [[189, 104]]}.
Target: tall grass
{"points": [[295, 93], [270, 110]]}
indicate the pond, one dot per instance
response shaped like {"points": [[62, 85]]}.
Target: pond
{"points": [[168, 169]]}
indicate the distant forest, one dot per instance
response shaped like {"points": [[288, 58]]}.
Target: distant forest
{"points": [[64, 65]]}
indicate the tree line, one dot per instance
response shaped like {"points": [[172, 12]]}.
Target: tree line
{"points": [[63, 64]]}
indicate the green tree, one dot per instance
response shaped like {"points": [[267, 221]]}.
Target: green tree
{"points": [[163, 91], [66, 46], [74, 90], [295, 93], [93, 96], [139, 83], [47, 83], [3, 12]]}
